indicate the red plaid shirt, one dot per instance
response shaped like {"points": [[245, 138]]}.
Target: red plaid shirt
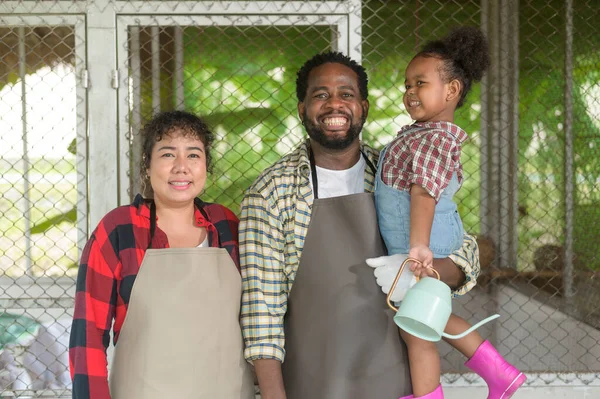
{"points": [[424, 153], [109, 264]]}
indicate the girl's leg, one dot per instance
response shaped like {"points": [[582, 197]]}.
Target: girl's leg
{"points": [[501, 377], [469, 343], [424, 362]]}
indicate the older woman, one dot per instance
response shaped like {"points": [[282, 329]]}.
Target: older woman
{"points": [[166, 270]]}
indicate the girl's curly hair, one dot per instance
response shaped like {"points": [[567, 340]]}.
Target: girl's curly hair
{"points": [[465, 54]]}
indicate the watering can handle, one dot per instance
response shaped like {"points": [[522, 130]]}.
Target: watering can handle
{"points": [[389, 302]]}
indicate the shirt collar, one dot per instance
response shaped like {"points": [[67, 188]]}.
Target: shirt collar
{"points": [[448, 127], [304, 160]]}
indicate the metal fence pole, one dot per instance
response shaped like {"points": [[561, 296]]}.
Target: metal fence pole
{"points": [[494, 144], [103, 165], [179, 102], [503, 134], [569, 183], [355, 30], [513, 90], [500, 123], [484, 152], [135, 93], [26, 166], [155, 69]]}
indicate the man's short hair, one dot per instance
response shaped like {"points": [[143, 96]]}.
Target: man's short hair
{"points": [[330, 57]]}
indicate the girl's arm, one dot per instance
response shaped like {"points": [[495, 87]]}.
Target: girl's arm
{"points": [[422, 207]]}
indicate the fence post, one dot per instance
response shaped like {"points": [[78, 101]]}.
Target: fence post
{"points": [[569, 185], [500, 121], [102, 172]]}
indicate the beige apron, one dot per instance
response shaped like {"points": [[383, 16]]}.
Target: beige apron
{"points": [[181, 337], [340, 339]]}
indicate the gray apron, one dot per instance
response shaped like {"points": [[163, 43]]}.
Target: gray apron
{"points": [[181, 337], [340, 339]]}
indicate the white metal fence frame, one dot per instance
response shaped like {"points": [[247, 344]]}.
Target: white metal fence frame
{"points": [[78, 24], [38, 296]]}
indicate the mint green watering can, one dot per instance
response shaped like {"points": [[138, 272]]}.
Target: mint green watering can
{"points": [[426, 308]]}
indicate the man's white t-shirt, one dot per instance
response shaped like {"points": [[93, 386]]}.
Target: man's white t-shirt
{"points": [[335, 183]]}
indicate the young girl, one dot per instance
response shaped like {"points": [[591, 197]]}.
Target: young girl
{"points": [[419, 173]]}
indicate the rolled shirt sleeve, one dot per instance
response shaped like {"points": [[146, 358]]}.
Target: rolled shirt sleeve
{"points": [[467, 260], [264, 282]]}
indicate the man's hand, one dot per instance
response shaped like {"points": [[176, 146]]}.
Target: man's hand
{"points": [[385, 271]]}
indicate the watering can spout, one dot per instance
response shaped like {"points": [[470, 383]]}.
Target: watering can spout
{"points": [[473, 328]]}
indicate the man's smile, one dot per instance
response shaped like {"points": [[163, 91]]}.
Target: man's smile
{"points": [[335, 121]]}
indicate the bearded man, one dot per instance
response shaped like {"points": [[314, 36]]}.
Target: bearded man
{"points": [[307, 225]]}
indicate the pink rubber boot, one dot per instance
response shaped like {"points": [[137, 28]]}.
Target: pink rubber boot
{"points": [[501, 377], [437, 394]]}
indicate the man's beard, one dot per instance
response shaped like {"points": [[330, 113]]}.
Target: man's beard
{"points": [[332, 143]]}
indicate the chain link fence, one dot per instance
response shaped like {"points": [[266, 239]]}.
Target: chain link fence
{"points": [[43, 201], [72, 102]]}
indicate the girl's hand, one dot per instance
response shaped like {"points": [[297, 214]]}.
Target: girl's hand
{"points": [[423, 254]]}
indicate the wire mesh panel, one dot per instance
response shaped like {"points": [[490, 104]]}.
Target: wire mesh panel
{"points": [[43, 204], [247, 93], [585, 141]]}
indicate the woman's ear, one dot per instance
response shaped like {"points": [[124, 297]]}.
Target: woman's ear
{"points": [[454, 88]]}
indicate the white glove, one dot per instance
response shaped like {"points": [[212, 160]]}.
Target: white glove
{"points": [[385, 270]]}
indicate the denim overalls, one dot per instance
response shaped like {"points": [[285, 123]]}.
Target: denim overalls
{"points": [[393, 215]]}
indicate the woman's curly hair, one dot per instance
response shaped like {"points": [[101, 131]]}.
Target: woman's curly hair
{"points": [[465, 54]]}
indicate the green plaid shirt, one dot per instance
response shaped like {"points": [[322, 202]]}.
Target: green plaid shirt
{"points": [[273, 224]]}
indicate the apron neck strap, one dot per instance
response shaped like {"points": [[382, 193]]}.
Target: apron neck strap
{"points": [[152, 223], [313, 170], [369, 163]]}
